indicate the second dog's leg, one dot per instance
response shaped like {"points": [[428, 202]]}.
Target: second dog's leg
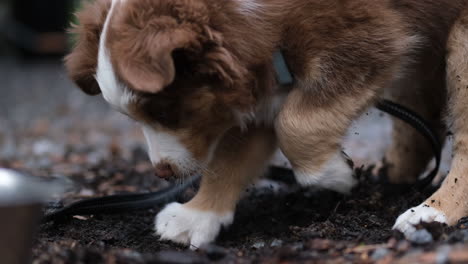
{"points": [[450, 202], [410, 152], [239, 159]]}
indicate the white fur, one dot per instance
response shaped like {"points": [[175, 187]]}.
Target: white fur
{"points": [[414, 216], [335, 175], [166, 147], [113, 91], [187, 226]]}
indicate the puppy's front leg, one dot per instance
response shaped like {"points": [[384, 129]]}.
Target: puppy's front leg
{"points": [[337, 78], [238, 160], [310, 135]]}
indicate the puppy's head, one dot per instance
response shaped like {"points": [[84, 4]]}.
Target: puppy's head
{"points": [[164, 64]]}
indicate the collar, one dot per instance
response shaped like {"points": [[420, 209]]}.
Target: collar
{"points": [[283, 74]]}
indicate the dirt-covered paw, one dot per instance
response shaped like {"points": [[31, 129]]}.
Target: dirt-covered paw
{"points": [[423, 213], [188, 226]]}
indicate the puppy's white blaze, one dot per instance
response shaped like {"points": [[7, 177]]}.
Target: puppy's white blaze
{"points": [[423, 213], [188, 226], [166, 146], [335, 175], [113, 91]]}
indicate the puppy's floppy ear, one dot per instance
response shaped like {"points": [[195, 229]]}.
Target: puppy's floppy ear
{"points": [[148, 65], [82, 73], [81, 63]]}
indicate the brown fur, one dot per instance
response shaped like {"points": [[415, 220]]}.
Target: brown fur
{"points": [[82, 62], [194, 65], [240, 158], [425, 91]]}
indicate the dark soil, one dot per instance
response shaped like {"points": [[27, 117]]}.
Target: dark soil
{"points": [[271, 225]]}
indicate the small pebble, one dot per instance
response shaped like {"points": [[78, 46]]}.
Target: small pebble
{"points": [[421, 237], [276, 243], [259, 245], [459, 236], [380, 253], [297, 246]]}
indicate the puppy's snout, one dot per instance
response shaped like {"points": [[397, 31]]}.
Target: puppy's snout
{"points": [[164, 170]]}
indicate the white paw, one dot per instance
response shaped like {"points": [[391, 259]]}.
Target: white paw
{"points": [[336, 175], [188, 226], [423, 213]]}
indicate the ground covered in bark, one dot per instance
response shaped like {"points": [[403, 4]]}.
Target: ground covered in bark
{"points": [[276, 222], [49, 129]]}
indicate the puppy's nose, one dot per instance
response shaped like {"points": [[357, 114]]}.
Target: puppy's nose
{"points": [[164, 170]]}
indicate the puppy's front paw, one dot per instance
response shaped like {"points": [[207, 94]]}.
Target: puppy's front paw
{"points": [[336, 175], [187, 226], [423, 213]]}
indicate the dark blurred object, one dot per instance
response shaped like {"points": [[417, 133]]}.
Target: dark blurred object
{"points": [[38, 27], [21, 199], [15, 243]]}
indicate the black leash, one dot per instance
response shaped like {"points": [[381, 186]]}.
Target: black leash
{"points": [[418, 123], [123, 202]]}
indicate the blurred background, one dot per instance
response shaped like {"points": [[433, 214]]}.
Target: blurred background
{"points": [[44, 120], [46, 123], [36, 27]]}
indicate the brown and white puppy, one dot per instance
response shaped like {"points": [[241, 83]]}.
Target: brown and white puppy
{"points": [[198, 76]]}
